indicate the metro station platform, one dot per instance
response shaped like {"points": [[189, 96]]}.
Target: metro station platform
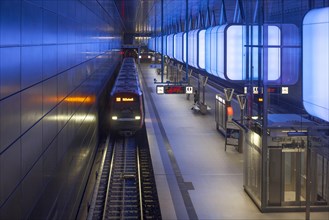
{"points": [[196, 178]]}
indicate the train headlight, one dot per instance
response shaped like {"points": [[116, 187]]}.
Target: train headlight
{"points": [[137, 117], [114, 117]]}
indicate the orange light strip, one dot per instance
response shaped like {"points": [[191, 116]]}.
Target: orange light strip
{"points": [[78, 99]]}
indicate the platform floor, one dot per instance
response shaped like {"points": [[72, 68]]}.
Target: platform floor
{"points": [[195, 177]]}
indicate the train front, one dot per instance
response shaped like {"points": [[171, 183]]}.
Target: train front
{"points": [[127, 113]]}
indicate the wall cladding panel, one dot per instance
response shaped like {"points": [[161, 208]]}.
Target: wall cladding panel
{"points": [[50, 5], [10, 58], [63, 57], [31, 24], [10, 23], [31, 66], [12, 209], [10, 171], [31, 187], [49, 27], [31, 143], [10, 117], [49, 94], [31, 106], [49, 61], [49, 162], [49, 128]]}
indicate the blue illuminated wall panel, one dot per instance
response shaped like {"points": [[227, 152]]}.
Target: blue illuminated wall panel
{"points": [[315, 63], [55, 56]]}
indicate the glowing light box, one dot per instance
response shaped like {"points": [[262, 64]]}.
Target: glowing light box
{"points": [[220, 55], [178, 46], [158, 44], [227, 50], [207, 50], [184, 47], [193, 48], [315, 63], [211, 50], [201, 62], [151, 44], [236, 52], [170, 45]]}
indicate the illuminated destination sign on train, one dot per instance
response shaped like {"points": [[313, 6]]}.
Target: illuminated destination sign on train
{"points": [[124, 99], [127, 99]]}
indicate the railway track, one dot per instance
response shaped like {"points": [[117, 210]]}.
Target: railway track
{"points": [[126, 187]]}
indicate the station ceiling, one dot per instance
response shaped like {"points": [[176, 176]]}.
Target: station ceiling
{"points": [[144, 16]]}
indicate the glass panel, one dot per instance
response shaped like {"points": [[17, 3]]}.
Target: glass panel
{"points": [[289, 177], [294, 176], [253, 169]]}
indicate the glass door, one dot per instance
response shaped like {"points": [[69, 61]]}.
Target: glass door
{"points": [[294, 177]]}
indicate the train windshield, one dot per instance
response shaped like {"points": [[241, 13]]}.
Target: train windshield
{"points": [[126, 105]]}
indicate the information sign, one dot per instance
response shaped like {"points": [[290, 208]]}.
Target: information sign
{"points": [[173, 89], [160, 89], [189, 90]]}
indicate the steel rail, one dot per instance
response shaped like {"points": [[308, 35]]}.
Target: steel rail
{"points": [[109, 182], [140, 186]]}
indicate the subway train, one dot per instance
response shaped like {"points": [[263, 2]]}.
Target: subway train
{"points": [[126, 100]]}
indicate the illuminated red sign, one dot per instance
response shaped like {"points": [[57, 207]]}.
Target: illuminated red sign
{"points": [[272, 90], [174, 89]]}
